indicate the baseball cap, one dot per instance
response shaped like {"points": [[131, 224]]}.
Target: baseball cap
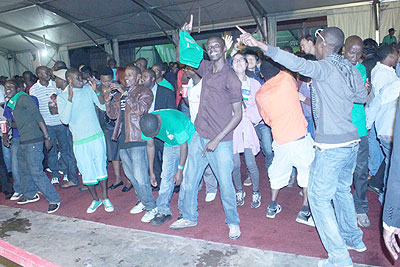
{"points": [[60, 74]]}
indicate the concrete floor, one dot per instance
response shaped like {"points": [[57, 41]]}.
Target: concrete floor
{"points": [[72, 242]]}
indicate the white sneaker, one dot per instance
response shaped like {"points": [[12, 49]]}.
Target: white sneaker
{"points": [[138, 208], [150, 214], [210, 197], [234, 231], [182, 223], [54, 180], [16, 196], [48, 170], [65, 178]]}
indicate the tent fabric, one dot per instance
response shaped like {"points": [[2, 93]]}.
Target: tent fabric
{"points": [[354, 21], [389, 18], [69, 22], [6, 68]]}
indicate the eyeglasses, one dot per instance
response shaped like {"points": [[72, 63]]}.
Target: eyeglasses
{"points": [[318, 33]]}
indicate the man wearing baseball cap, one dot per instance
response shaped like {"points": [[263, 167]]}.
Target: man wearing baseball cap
{"points": [[71, 170]]}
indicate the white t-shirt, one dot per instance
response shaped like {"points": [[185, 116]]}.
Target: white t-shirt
{"points": [[194, 92], [43, 94]]}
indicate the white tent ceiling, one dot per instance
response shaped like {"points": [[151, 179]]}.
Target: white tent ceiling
{"points": [[75, 22]]}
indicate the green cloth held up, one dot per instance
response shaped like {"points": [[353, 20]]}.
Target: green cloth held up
{"points": [[191, 53]]}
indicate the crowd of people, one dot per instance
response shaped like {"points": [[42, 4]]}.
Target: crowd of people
{"points": [[324, 116]]}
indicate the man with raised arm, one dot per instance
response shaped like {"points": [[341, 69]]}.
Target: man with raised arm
{"points": [[220, 111], [336, 86], [76, 107]]}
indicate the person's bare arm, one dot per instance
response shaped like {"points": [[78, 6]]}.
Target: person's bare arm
{"points": [[48, 144], [182, 160], [150, 150], [233, 122], [6, 141], [98, 92]]}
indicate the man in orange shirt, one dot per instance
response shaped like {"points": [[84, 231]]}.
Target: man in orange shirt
{"points": [[279, 105]]}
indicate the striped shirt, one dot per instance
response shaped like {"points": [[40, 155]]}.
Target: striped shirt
{"points": [[43, 94]]}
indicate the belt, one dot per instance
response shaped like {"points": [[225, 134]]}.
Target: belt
{"points": [[89, 139]]}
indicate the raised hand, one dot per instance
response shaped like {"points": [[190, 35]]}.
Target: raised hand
{"points": [[228, 39], [247, 39], [391, 242], [188, 26], [92, 83]]}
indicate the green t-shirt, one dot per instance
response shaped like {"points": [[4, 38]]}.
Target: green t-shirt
{"points": [[389, 39], [358, 113], [167, 84], [176, 128]]}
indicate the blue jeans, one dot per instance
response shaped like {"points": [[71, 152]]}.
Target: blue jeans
{"points": [[30, 158], [264, 134], [60, 137], [170, 164], [221, 162], [252, 168], [310, 126], [14, 165], [7, 158], [361, 177], [134, 162], [375, 152], [387, 150], [331, 176]]}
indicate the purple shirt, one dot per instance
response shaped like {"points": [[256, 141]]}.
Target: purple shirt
{"points": [[219, 91]]}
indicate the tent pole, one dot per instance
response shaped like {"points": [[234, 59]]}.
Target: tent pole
{"points": [[161, 28], [93, 40], [256, 20]]}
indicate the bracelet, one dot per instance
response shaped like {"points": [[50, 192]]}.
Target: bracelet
{"points": [[180, 167], [99, 93]]}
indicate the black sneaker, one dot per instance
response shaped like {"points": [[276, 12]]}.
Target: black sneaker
{"points": [[53, 207], [271, 212], [26, 201], [160, 219]]}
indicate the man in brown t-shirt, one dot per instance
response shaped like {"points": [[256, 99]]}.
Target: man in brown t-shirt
{"points": [[212, 143]]}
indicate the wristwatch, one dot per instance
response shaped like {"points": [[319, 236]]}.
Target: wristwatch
{"points": [[47, 138]]}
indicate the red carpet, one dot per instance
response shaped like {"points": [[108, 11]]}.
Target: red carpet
{"points": [[281, 234]]}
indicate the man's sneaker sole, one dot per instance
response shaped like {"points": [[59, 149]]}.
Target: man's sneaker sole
{"points": [[14, 198], [357, 249], [156, 222], [137, 211], [305, 222], [326, 263], [29, 200], [54, 210], [177, 227], [279, 209], [93, 210]]}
